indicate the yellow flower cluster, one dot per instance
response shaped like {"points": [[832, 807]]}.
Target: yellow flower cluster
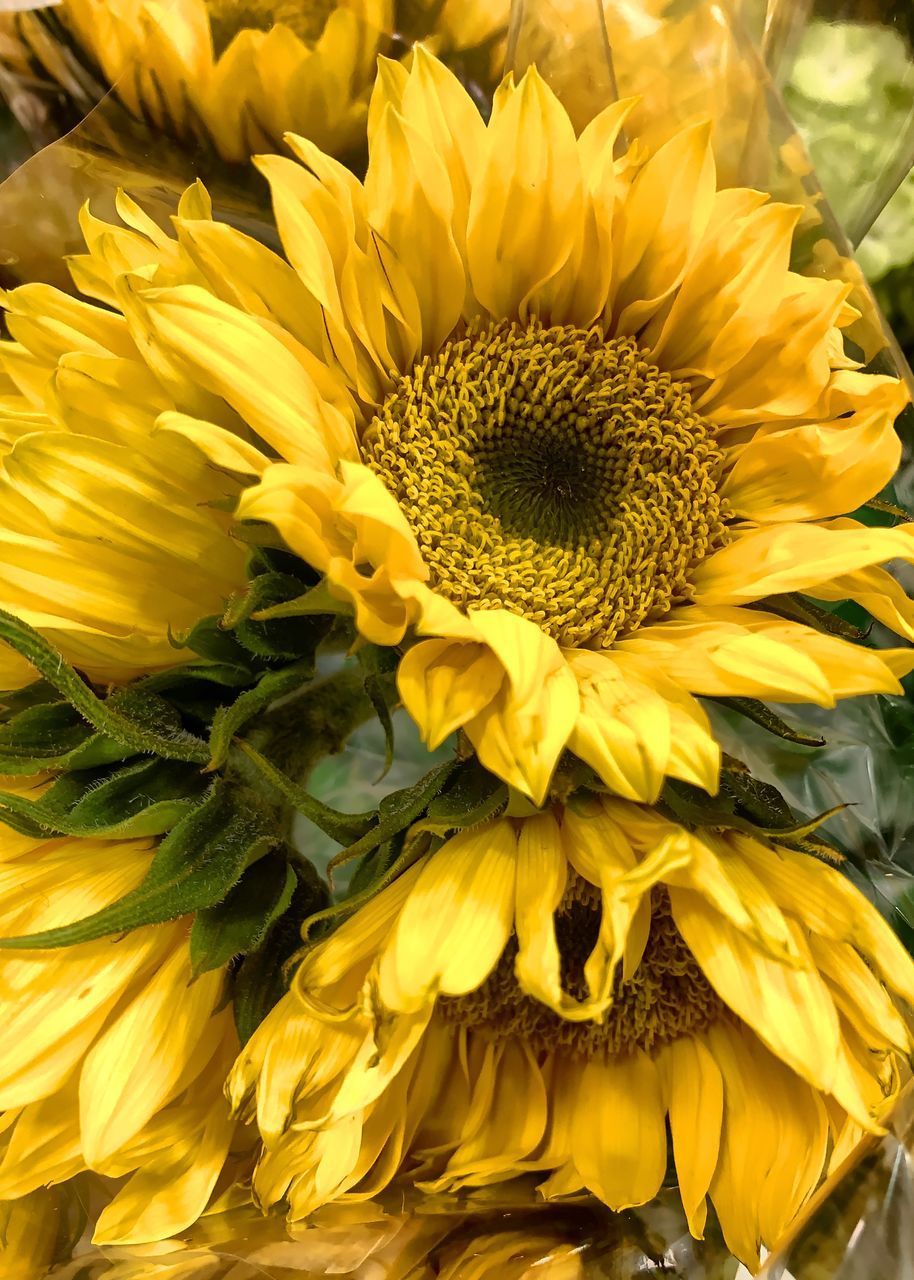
{"points": [[555, 422]]}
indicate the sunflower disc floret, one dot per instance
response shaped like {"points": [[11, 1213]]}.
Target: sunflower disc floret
{"points": [[553, 473]]}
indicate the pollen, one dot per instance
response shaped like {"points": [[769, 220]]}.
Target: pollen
{"points": [[553, 473]]}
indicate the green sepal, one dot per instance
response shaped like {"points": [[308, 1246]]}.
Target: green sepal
{"points": [[472, 796], [269, 638], [314, 601], [208, 639], [798, 608], [886, 508], [271, 686], [242, 920], [134, 718], [341, 827], [396, 812], [761, 714], [53, 735], [142, 798], [194, 867], [380, 868], [31, 695], [259, 982]]}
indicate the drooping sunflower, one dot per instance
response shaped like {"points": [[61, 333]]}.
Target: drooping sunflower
{"points": [[558, 415], [238, 74], [111, 1059], [545, 995]]}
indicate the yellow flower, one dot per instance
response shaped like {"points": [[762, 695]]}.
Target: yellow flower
{"points": [[240, 73], [114, 535], [111, 1059], [558, 416], [543, 995], [563, 416]]}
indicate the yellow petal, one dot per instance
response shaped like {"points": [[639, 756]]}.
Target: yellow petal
{"points": [[793, 557], [525, 208], [274, 388], [43, 1146], [445, 684], [619, 1134], [878, 592], [816, 470], [170, 1192], [412, 206], [456, 921], [542, 873], [788, 1007], [695, 1101], [139, 1062], [521, 733], [623, 729], [664, 214], [827, 903], [723, 651], [28, 1235], [512, 1127], [731, 288]]}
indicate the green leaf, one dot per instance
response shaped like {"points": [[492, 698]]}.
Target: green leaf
{"points": [[396, 812], [54, 736], [143, 798], [341, 827], [195, 866], [472, 796], [260, 980], [242, 920], [273, 638], [761, 714], [374, 688], [270, 687], [132, 717]]}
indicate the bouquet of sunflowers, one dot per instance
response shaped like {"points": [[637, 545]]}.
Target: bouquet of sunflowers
{"points": [[450, 461]]}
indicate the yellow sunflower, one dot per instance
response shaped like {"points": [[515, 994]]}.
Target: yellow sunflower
{"points": [[111, 1058], [114, 536], [559, 416], [239, 73], [562, 415], [544, 995]]}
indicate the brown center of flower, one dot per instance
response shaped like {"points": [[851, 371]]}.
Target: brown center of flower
{"points": [[553, 473], [667, 997], [306, 18]]}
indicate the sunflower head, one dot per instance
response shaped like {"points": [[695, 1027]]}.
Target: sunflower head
{"points": [[553, 995], [552, 473]]}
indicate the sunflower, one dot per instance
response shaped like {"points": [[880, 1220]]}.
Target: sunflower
{"points": [[115, 537], [544, 995], [238, 73], [563, 420], [111, 1059]]}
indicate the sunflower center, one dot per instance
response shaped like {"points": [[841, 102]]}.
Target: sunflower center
{"points": [[667, 997], [553, 473], [306, 18]]}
